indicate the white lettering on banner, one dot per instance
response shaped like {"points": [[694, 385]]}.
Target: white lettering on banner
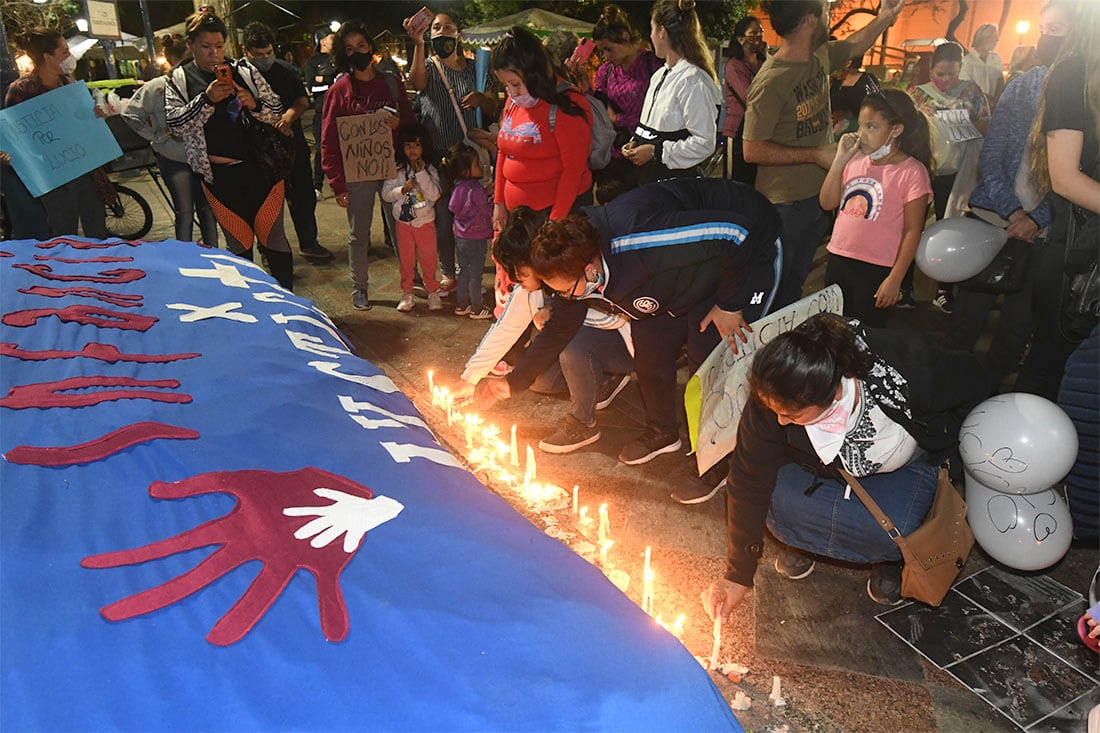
{"points": [[227, 275], [405, 452], [282, 319], [200, 313], [379, 382], [720, 386], [314, 345], [278, 298], [352, 407]]}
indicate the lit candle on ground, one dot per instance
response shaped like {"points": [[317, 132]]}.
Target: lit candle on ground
{"points": [[603, 551], [431, 381], [576, 490], [604, 529], [583, 514], [515, 449], [529, 473], [647, 584], [717, 643]]}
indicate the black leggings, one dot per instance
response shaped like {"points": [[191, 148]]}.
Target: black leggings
{"points": [[858, 282]]}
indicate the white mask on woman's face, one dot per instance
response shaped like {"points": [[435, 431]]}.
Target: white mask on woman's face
{"points": [[68, 64]]}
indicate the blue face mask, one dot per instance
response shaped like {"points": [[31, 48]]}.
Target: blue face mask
{"points": [[524, 100]]}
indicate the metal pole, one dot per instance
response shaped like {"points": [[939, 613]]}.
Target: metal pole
{"points": [[150, 42], [109, 57]]}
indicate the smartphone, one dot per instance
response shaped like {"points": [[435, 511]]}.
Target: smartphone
{"points": [[422, 20], [582, 53], [224, 72]]}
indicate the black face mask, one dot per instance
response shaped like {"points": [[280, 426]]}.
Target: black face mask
{"points": [[444, 46], [1046, 50], [360, 61]]}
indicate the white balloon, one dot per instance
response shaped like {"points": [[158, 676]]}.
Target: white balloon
{"points": [[1018, 443], [1029, 532], [957, 249]]}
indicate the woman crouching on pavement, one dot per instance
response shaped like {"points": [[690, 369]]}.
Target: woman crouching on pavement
{"points": [[884, 403], [208, 112]]}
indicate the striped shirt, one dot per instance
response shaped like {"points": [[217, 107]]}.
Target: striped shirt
{"points": [[434, 109]]}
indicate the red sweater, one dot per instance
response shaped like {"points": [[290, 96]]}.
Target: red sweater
{"points": [[349, 96], [540, 168]]}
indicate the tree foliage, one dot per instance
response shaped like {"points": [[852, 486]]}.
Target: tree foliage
{"points": [[22, 15]]}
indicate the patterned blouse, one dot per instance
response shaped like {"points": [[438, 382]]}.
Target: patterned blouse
{"points": [[627, 88], [965, 94]]}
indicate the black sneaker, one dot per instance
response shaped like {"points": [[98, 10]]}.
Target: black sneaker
{"points": [[697, 491], [570, 436], [419, 290], [793, 564], [884, 585], [906, 301], [610, 390], [648, 446], [945, 301], [317, 255]]}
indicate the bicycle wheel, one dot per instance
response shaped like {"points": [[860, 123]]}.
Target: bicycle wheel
{"points": [[131, 217]]}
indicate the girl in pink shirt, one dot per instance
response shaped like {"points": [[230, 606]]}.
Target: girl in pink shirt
{"points": [[880, 181]]}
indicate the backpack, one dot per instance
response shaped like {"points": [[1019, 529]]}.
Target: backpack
{"points": [[603, 132]]}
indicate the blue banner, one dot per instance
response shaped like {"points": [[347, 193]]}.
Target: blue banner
{"points": [[55, 138], [215, 516]]}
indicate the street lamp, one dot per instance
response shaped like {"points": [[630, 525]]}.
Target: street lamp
{"points": [[334, 25], [82, 25]]}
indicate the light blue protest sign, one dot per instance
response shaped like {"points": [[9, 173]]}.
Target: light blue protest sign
{"points": [[55, 138]]}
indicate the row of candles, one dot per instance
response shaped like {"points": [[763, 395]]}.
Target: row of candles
{"points": [[488, 452]]}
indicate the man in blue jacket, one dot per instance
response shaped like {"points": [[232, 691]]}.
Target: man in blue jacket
{"points": [[689, 261]]}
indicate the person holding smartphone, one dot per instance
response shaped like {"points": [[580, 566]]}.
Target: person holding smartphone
{"points": [[437, 77], [207, 100]]}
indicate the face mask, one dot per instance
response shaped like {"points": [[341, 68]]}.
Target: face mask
{"points": [[263, 63], [943, 84], [524, 100], [882, 152], [444, 46], [68, 66], [360, 61], [590, 288], [1046, 50]]}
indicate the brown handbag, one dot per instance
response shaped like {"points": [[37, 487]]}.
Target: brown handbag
{"points": [[934, 552]]}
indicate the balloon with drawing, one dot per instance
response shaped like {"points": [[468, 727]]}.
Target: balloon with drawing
{"points": [[1024, 532], [1017, 443]]}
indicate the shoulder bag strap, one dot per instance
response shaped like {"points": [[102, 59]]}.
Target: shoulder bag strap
{"points": [[875, 509], [451, 94]]}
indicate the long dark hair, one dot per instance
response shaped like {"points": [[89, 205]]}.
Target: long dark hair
{"points": [[458, 162], [38, 42], [204, 21], [898, 109], [803, 368], [521, 51], [678, 18], [614, 25], [412, 133], [734, 50]]}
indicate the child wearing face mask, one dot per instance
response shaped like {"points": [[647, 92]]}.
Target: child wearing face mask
{"points": [[881, 185]]}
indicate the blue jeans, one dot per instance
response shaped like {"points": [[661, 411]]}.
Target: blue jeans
{"points": [[471, 262], [594, 356], [827, 524], [185, 188], [804, 226]]}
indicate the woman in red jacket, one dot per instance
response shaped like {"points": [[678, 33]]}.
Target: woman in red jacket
{"points": [[542, 148]]}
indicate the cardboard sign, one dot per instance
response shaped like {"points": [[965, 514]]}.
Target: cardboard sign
{"points": [[718, 392], [55, 138], [366, 147]]}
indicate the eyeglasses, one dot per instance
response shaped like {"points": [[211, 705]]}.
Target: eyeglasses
{"points": [[571, 293]]}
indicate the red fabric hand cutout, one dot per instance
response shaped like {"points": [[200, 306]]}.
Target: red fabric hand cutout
{"points": [[50, 394], [92, 350], [119, 275], [88, 315], [99, 448], [76, 244], [81, 260], [261, 526], [123, 300]]}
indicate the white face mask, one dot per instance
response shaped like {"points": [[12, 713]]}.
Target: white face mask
{"points": [[882, 152], [68, 65]]}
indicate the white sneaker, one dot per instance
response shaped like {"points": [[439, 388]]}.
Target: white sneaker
{"points": [[406, 303], [434, 302]]}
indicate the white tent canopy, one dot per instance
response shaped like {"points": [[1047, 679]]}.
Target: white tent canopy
{"points": [[541, 22], [80, 45]]}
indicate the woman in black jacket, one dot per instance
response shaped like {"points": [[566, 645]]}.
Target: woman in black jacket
{"points": [[886, 405]]}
